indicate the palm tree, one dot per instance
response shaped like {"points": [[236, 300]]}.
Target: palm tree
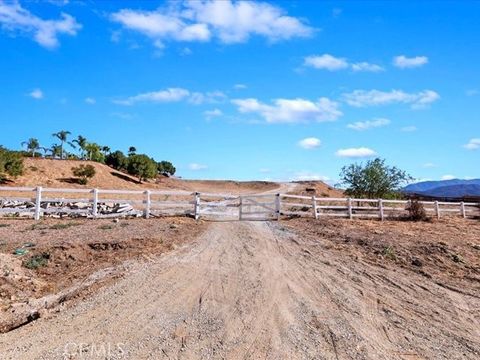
{"points": [[82, 143], [56, 150], [105, 150], [132, 150], [32, 145], [63, 136]]}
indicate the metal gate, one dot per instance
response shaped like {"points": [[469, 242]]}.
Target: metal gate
{"points": [[259, 207]]}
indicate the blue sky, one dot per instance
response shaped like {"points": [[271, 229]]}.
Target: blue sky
{"points": [[250, 90]]}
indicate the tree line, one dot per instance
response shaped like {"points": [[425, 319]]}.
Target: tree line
{"points": [[140, 165]]}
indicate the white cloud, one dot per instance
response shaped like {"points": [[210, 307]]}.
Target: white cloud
{"points": [[14, 18], [228, 21], [410, 128], [264, 170], [361, 152], [404, 62], [326, 62], [364, 98], [448, 177], [310, 143], [429, 165], [197, 167], [473, 144], [36, 94], [367, 67], [239, 86], [291, 110], [332, 63], [161, 96], [369, 124], [212, 97], [90, 101], [210, 114]]}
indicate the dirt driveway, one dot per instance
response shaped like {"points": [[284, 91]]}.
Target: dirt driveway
{"points": [[256, 290]]}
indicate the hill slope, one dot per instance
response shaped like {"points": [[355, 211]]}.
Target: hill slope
{"points": [[58, 174], [429, 185]]}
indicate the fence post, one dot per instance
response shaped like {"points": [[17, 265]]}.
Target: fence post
{"points": [[380, 209], [240, 208], [350, 210], [38, 200], [278, 205], [437, 209], [148, 203], [95, 203], [462, 210], [197, 206], [314, 205]]}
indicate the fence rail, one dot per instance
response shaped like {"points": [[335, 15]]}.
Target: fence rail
{"points": [[92, 203]]}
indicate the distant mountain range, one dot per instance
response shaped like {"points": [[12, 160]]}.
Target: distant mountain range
{"points": [[446, 188]]}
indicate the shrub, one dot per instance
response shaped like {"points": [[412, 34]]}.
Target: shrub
{"points": [[11, 163], [84, 173], [373, 180], [142, 166], [37, 261], [416, 211], [166, 168], [117, 160]]}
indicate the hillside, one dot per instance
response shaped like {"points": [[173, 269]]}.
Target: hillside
{"points": [[58, 174], [429, 185], [455, 191]]}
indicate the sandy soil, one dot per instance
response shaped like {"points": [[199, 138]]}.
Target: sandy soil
{"points": [[288, 290], [58, 174]]}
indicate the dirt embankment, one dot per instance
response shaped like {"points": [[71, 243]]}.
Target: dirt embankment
{"points": [[297, 289], [41, 259], [58, 174]]}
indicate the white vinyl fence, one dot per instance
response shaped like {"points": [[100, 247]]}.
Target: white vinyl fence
{"points": [[98, 203]]}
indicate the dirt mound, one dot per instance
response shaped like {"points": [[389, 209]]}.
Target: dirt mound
{"points": [[317, 188], [58, 174]]}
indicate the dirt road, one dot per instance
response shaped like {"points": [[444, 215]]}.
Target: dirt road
{"points": [[254, 290]]}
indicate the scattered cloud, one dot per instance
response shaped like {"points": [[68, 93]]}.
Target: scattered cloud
{"points": [[364, 98], [239, 86], [361, 152], [473, 144], [212, 97], [186, 51], [326, 62], [410, 128], [36, 94], [291, 110], [174, 95], [448, 177], [332, 63], [210, 114], [227, 21], [264, 170], [123, 115], [404, 62], [15, 19], [197, 167], [429, 165], [310, 143], [308, 175], [90, 101], [367, 67], [161, 96], [369, 124]]}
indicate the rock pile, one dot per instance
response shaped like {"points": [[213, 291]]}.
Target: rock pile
{"points": [[62, 209]]}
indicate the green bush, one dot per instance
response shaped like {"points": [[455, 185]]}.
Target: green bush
{"points": [[84, 173], [166, 168], [11, 163], [117, 160], [37, 261], [142, 166]]}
